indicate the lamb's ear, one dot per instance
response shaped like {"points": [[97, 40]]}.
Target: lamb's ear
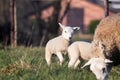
{"points": [[108, 61], [76, 28], [88, 63], [62, 26]]}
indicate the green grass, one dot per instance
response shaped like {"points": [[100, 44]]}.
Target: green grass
{"points": [[29, 64]]}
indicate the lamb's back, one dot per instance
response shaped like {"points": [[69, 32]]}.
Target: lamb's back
{"points": [[57, 44]]}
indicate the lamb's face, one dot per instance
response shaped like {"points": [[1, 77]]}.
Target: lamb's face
{"points": [[99, 67], [68, 31]]}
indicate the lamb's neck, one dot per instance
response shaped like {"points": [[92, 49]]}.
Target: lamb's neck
{"points": [[66, 39]]}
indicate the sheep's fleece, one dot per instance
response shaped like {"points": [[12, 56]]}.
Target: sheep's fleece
{"points": [[108, 33]]}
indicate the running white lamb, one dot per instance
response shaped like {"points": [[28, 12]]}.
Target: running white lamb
{"points": [[59, 45]]}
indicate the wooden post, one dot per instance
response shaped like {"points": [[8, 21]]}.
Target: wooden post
{"points": [[13, 28], [106, 3], [12, 23], [15, 24]]}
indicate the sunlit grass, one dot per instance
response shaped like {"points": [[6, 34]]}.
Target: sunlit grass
{"points": [[29, 64]]}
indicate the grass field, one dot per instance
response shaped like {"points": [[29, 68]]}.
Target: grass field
{"points": [[29, 64]]}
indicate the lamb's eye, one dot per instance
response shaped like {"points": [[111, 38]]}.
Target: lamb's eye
{"points": [[103, 70], [65, 31]]}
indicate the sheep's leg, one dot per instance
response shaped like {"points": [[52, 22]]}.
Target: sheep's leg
{"points": [[59, 55], [48, 58], [72, 62], [76, 64]]}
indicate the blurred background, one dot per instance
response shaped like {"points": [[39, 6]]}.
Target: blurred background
{"points": [[34, 22]]}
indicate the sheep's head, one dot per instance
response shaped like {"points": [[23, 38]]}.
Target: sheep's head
{"points": [[99, 67], [68, 31]]}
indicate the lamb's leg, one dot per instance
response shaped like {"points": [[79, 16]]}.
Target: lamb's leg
{"points": [[48, 57], [72, 62], [76, 64], [59, 55]]}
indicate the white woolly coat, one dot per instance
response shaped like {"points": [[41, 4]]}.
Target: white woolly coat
{"points": [[81, 49], [58, 44]]}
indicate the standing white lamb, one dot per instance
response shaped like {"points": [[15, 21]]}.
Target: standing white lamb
{"points": [[59, 45]]}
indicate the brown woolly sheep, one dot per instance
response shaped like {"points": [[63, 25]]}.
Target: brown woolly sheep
{"points": [[107, 35]]}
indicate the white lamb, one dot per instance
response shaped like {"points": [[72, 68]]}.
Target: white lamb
{"points": [[59, 45], [82, 50], [78, 50]]}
